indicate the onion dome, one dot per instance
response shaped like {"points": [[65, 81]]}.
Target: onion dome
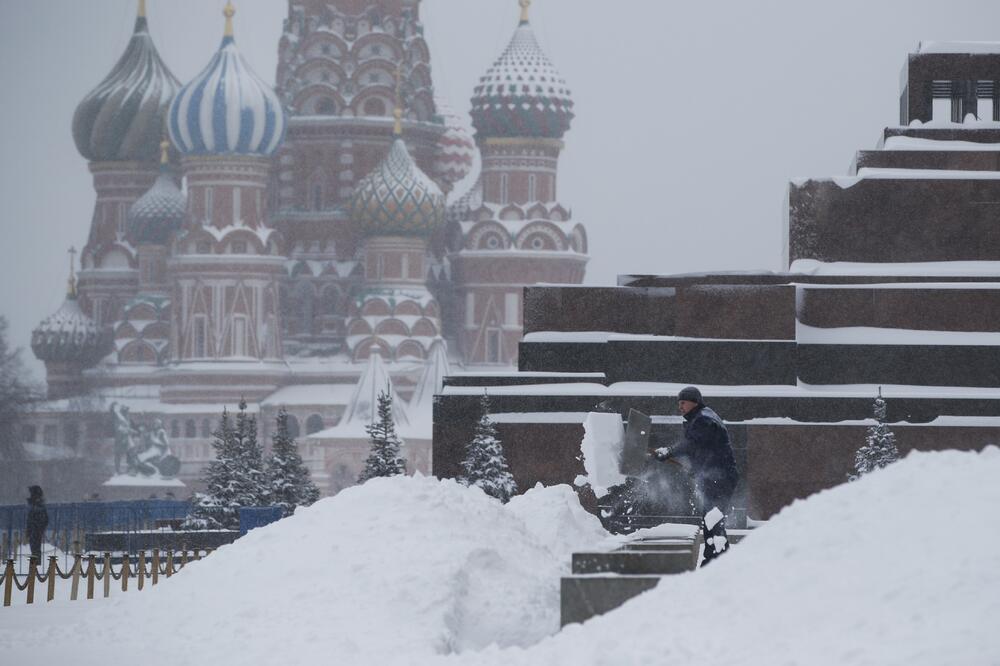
{"points": [[122, 118], [161, 210], [397, 198], [69, 335], [227, 109], [456, 150], [522, 94]]}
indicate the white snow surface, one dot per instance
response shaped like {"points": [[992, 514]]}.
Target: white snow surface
{"points": [[880, 571], [414, 570], [603, 441], [396, 569]]}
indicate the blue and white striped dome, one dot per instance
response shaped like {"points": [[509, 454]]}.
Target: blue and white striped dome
{"points": [[227, 109]]}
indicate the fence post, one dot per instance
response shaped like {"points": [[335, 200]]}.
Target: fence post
{"points": [[170, 562], [8, 581], [107, 575], [51, 579], [125, 572], [74, 589], [184, 556], [141, 571], [91, 572], [32, 572], [155, 577]]}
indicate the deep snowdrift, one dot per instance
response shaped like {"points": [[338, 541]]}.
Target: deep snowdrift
{"points": [[397, 568], [901, 567]]}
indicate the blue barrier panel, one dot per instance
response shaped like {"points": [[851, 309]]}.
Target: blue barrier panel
{"points": [[95, 516], [258, 516]]}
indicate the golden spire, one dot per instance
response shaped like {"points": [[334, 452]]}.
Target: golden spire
{"points": [[397, 128], [71, 283], [164, 152], [229, 12], [142, 9], [525, 5]]}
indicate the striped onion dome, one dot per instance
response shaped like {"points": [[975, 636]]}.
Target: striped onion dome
{"points": [[456, 150], [227, 109], [522, 94], [397, 198], [122, 119], [160, 211], [70, 335]]}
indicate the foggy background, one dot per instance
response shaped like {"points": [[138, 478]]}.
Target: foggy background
{"points": [[691, 117]]}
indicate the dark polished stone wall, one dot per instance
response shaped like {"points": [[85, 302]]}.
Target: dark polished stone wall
{"points": [[921, 309], [903, 221]]}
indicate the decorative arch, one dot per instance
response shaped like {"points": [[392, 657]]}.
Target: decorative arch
{"points": [[478, 235], [391, 327], [410, 349], [541, 236], [138, 352], [408, 308], [375, 307], [377, 45], [364, 349], [424, 328]]}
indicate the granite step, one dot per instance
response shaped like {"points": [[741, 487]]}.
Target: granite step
{"points": [[583, 597], [636, 562]]}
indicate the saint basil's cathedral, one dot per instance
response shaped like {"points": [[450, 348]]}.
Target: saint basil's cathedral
{"points": [[304, 246]]}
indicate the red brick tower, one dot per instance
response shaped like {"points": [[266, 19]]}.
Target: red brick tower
{"points": [[336, 77], [226, 262], [512, 232], [117, 128]]}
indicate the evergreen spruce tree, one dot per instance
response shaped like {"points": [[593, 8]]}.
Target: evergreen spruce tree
{"points": [[384, 459], [210, 509], [485, 464], [235, 479], [16, 395], [249, 481], [289, 482], [879, 449]]}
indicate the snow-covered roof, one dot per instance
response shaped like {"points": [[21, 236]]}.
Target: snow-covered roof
{"points": [[362, 408], [421, 409], [921, 143], [311, 395]]}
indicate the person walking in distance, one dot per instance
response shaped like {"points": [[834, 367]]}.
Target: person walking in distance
{"points": [[38, 521], [713, 468]]}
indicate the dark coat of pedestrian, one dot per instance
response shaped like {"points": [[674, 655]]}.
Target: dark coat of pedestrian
{"points": [[707, 448], [38, 521]]}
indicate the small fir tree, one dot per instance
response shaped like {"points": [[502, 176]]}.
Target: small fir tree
{"points": [[249, 481], [879, 449], [290, 485], [485, 464], [209, 509], [384, 459], [235, 479]]}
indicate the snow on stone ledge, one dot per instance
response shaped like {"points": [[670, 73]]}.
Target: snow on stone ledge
{"points": [[928, 268], [959, 47]]}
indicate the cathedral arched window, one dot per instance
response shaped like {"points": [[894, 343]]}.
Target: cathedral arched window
{"points": [[532, 187], [206, 428], [374, 107], [190, 430], [326, 107], [175, 429], [504, 189], [314, 424], [293, 426]]}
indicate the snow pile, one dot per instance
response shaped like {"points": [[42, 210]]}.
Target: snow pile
{"points": [[603, 441], [397, 567], [901, 567]]}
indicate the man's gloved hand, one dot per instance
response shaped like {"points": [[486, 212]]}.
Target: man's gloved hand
{"points": [[662, 454]]}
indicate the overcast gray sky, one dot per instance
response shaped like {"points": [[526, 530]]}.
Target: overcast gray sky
{"points": [[691, 116]]}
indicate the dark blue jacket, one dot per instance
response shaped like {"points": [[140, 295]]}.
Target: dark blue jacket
{"points": [[706, 445], [38, 518]]}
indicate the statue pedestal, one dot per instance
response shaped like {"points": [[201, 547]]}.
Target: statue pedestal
{"points": [[125, 487]]}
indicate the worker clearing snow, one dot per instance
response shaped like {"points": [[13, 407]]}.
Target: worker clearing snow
{"points": [[706, 446]]}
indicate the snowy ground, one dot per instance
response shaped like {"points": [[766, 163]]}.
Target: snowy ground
{"points": [[902, 567]]}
